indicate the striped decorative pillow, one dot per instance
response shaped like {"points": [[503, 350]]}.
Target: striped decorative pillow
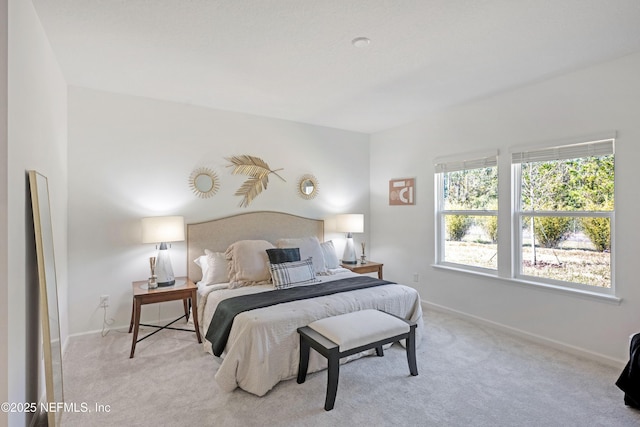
{"points": [[291, 274]]}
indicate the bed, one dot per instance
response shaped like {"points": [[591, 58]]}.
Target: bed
{"points": [[262, 347]]}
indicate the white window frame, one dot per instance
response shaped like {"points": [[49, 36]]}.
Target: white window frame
{"points": [[596, 146], [443, 165]]}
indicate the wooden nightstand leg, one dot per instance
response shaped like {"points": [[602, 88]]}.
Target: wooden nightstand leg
{"points": [[133, 313], [185, 302], [135, 327], [194, 313], [380, 273]]}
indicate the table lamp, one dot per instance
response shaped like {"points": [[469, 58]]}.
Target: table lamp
{"points": [[350, 223], [162, 230]]}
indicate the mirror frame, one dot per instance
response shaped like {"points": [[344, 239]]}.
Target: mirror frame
{"points": [[49, 315], [302, 180], [204, 172]]}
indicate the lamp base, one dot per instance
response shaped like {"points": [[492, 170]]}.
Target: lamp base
{"points": [[164, 271], [169, 283], [349, 256]]}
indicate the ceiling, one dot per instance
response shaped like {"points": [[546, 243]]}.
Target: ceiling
{"points": [[294, 60]]}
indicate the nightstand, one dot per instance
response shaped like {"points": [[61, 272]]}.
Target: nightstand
{"points": [[184, 290], [369, 267]]}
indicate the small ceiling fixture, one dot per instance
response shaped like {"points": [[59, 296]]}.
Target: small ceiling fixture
{"points": [[360, 42]]}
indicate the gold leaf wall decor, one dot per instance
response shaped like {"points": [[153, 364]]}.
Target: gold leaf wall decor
{"points": [[258, 172]]}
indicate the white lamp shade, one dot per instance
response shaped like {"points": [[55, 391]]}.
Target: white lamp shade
{"points": [[350, 223], [162, 229]]}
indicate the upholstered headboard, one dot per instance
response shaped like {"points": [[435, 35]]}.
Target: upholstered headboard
{"points": [[216, 235]]}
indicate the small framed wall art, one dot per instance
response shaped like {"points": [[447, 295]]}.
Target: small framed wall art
{"points": [[402, 192]]}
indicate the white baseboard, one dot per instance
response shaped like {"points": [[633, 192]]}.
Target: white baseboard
{"points": [[577, 351], [98, 331], [120, 328]]}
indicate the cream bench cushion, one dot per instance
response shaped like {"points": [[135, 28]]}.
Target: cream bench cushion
{"points": [[359, 328]]}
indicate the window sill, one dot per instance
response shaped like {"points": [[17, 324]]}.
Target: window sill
{"points": [[611, 299]]}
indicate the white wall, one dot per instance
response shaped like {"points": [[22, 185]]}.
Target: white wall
{"points": [[37, 139], [131, 157], [599, 98]]}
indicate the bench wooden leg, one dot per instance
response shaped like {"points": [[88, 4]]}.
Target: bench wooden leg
{"points": [[303, 365], [332, 381], [411, 351]]}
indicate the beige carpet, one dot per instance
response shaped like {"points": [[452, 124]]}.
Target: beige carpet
{"points": [[470, 375]]}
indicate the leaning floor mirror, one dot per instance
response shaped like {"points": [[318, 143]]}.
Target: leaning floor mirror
{"points": [[51, 341]]}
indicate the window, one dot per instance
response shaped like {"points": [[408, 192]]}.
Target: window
{"points": [[467, 212], [564, 214]]}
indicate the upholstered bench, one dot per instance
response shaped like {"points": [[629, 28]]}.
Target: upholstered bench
{"points": [[341, 336]]}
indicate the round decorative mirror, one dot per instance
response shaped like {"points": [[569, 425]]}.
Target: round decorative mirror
{"points": [[308, 187], [204, 182]]}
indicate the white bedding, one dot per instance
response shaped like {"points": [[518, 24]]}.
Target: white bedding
{"points": [[263, 346]]}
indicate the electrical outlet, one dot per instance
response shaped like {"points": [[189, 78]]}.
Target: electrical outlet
{"points": [[104, 301], [416, 277]]}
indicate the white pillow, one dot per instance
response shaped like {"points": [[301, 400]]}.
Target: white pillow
{"points": [[201, 262], [309, 248], [291, 274], [330, 256], [248, 263], [217, 270]]}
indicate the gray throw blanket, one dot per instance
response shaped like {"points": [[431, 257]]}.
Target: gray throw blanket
{"points": [[222, 320]]}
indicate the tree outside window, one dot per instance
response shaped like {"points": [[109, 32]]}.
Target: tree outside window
{"points": [[467, 214], [566, 204]]}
